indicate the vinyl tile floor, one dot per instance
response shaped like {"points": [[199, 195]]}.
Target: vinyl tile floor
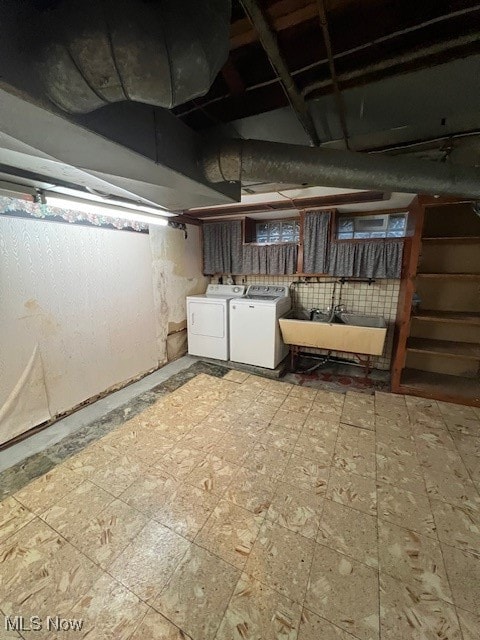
{"points": [[242, 508]]}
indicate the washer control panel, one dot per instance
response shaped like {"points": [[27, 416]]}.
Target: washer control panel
{"points": [[226, 290]]}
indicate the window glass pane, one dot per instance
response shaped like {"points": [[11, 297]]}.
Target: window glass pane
{"points": [[262, 232], [345, 236], [397, 223], [345, 225], [362, 235], [287, 231], [274, 231], [296, 233]]}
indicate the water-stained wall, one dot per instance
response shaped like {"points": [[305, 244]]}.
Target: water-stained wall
{"points": [[177, 273], [85, 309]]}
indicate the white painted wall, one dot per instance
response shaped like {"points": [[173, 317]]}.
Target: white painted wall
{"points": [[77, 315]]}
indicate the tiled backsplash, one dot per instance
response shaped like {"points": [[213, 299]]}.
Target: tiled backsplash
{"points": [[377, 299]]}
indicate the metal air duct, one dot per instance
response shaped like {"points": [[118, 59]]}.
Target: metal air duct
{"points": [[160, 52], [244, 160]]}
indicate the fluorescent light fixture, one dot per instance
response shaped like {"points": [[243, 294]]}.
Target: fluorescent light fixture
{"points": [[108, 211], [108, 202]]}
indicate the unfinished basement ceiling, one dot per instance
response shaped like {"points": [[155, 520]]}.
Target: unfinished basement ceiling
{"points": [[382, 77]]}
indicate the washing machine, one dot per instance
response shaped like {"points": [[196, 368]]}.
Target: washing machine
{"points": [[255, 336], [208, 320]]}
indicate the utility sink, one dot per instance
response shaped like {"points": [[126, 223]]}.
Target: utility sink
{"points": [[348, 332]]}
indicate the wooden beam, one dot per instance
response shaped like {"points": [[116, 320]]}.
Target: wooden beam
{"points": [[232, 78], [282, 15], [284, 205]]}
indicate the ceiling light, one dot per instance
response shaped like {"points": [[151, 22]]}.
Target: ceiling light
{"points": [[108, 211]]}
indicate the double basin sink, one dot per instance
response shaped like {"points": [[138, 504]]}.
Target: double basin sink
{"points": [[348, 332]]}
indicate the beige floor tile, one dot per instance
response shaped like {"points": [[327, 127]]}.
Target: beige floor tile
{"points": [[405, 509], [330, 398], [315, 448], [290, 419], [472, 463], [48, 489], [359, 419], [255, 430], [251, 490], [350, 532], [256, 611], [312, 627], [281, 559], [186, 510], [234, 448], [325, 428], [428, 438], [306, 393], [355, 451], [281, 437], [344, 592], [213, 475], [180, 461], [277, 386], [307, 475], [467, 444], [41, 573], [401, 470], [297, 404], [150, 446], [13, 516], [197, 596], [148, 562], [463, 570], [353, 491], [150, 492], [465, 426], [257, 412], [230, 533], [457, 526], [296, 509], [92, 458], [414, 559], [391, 431], [203, 437], [409, 615], [267, 459], [236, 376], [118, 475], [444, 460], [271, 398], [470, 624], [331, 412], [156, 627], [109, 611], [448, 487], [104, 537], [79, 506]]}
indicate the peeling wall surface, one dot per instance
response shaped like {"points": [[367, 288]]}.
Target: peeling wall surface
{"points": [[177, 273], [77, 314]]}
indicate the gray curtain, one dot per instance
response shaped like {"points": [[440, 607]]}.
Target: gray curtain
{"points": [[315, 241], [366, 259], [222, 247], [273, 259]]}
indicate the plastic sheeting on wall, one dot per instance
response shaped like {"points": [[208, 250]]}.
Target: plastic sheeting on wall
{"points": [[76, 317]]}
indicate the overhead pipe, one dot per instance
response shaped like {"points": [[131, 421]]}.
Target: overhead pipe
{"points": [[269, 41], [245, 160]]}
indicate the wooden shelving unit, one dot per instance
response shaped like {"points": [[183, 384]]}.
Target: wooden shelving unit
{"points": [[437, 350]]}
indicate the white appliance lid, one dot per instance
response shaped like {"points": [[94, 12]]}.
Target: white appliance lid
{"points": [[225, 290]]}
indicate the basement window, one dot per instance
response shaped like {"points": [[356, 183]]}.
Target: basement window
{"points": [[390, 225], [277, 231]]}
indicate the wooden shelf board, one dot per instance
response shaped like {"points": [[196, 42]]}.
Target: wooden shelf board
{"points": [[453, 240], [451, 317], [447, 348], [450, 276], [441, 386]]}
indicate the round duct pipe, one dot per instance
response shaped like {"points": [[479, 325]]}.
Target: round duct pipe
{"points": [[160, 52], [257, 160]]}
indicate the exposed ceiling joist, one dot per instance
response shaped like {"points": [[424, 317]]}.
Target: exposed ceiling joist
{"points": [[269, 42], [359, 197]]}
